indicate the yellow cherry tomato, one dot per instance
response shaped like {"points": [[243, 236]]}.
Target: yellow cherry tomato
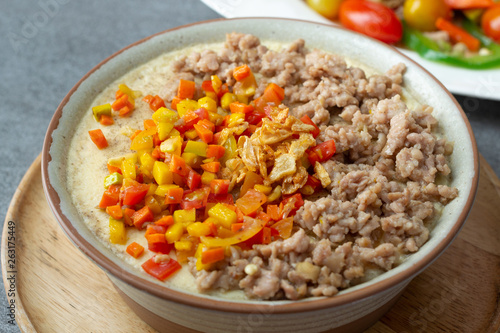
{"points": [[327, 8], [422, 14]]}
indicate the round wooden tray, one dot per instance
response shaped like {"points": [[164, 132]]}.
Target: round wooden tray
{"points": [[58, 289]]}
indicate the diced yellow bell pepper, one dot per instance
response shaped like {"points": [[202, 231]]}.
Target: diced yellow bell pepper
{"points": [[215, 118], [275, 194], [199, 265], [175, 132], [164, 130], [183, 245], [186, 105], [142, 143], [185, 216], [128, 168], [193, 160], [208, 104], [164, 115], [162, 173], [224, 232], [227, 99], [153, 204], [172, 145], [174, 232], [207, 177], [152, 189], [231, 150], [198, 229], [224, 215], [101, 110], [127, 91], [196, 147], [191, 134], [235, 119], [147, 160], [162, 190], [117, 231], [216, 83], [263, 189]]}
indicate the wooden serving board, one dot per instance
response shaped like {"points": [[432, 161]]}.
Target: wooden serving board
{"points": [[59, 290]]}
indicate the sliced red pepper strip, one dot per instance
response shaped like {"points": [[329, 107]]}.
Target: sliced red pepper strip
{"points": [[161, 270]]}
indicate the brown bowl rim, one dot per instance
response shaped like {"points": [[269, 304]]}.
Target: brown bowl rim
{"points": [[235, 306]]}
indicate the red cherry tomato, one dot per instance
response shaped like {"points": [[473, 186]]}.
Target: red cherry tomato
{"points": [[372, 19], [490, 23]]}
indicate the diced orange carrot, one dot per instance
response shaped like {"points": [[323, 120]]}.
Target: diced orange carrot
{"points": [[241, 72], [263, 216], [108, 199], [113, 169], [186, 89], [127, 216], [174, 103], [165, 221], [148, 99], [212, 255], [124, 111], [142, 216], [207, 124], [106, 120], [115, 212], [211, 167], [98, 138], [157, 103], [266, 235], [216, 151], [135, 249], [174, 196], [205, 134], [237, 107], [178, 166], [156, 238], [148, 123], [119, 94], [123, 101]]}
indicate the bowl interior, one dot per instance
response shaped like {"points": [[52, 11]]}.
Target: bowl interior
{"points": [[373, 54]]}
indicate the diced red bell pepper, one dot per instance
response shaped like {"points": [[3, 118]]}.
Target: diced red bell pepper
{"points": [[297, 201], [193, 180], [160, 247], [161, 270], [195, 199], [306, 120], [322, 152], [255, 117], [133, 194], [206, 86], [202, 113], [313, 182], [219, 186], [222, 198]]}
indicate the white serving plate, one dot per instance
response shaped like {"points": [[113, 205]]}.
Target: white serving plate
{"points": [[473, 83]]}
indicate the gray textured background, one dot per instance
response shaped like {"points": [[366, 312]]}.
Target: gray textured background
{"points": [[48, 45]]}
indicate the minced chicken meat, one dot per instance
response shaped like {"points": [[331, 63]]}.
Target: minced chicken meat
{"points": [[384, 195]]}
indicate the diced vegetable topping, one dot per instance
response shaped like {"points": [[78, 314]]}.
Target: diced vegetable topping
{"points": [[194, 184]]}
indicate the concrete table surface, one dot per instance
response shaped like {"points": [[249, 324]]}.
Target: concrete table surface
{"points": [[48, 45]]}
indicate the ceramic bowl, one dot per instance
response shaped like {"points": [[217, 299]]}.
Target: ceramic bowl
{"points": [[351, 310]]}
